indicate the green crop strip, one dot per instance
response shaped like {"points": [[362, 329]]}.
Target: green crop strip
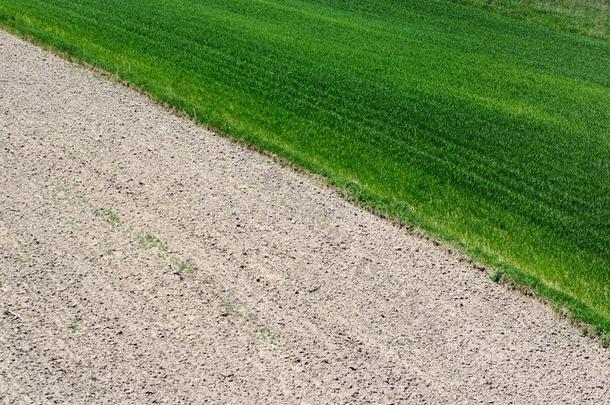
{"points": [[488, 132], [588, 17]]}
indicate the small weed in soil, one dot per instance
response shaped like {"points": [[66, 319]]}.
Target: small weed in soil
{"points": [[73, 325], [148, 241], [110, 216]]}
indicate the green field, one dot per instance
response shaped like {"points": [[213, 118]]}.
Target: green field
{"points": [[589, 17], [488, 131]]}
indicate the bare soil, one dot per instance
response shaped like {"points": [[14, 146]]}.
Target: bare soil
{"points": [[144, 259]]}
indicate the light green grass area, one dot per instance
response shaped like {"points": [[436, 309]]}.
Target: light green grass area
{"points": [[589, 17], [489, 132]]}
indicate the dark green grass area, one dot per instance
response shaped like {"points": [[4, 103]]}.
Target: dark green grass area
{"points": [[488, 132]]}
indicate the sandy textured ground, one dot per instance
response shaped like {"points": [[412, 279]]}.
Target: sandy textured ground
{"points": [[146, 260]]}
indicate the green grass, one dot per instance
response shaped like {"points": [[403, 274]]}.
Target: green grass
{"points": [[589, 17], [489, 132]]}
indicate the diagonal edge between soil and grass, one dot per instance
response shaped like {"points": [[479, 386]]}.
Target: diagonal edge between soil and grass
{"points": [[578, 311]]}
